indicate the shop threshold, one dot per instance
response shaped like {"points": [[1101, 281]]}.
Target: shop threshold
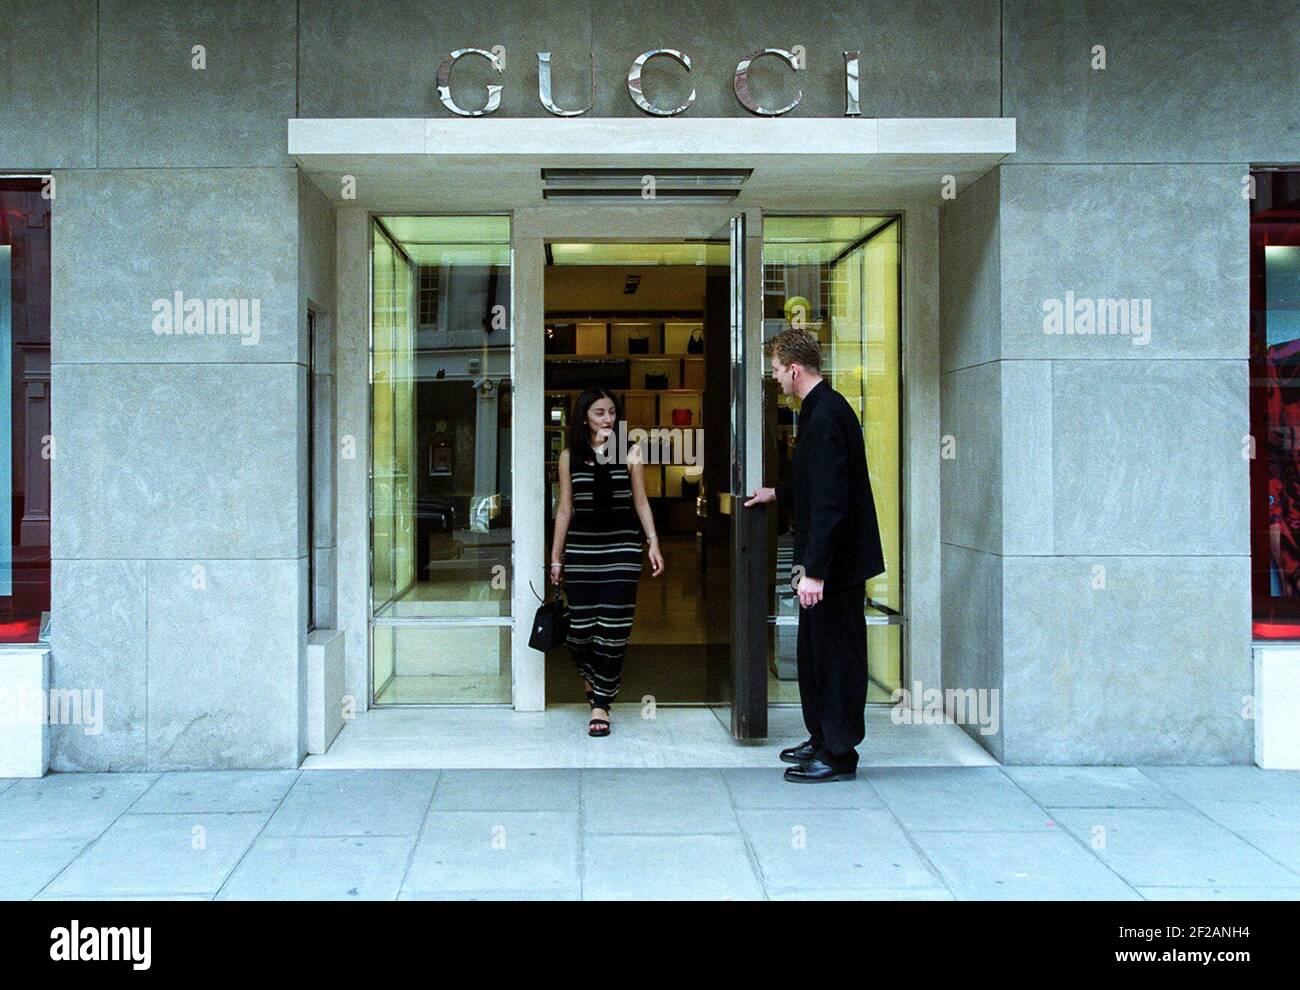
{"points": [[499, 738]]}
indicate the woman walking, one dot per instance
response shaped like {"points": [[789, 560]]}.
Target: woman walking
{"points": [[596, 551]]}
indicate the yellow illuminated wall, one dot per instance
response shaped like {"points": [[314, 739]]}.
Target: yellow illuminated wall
{"points": [[881, 431], [392, 436], [848, 268]]}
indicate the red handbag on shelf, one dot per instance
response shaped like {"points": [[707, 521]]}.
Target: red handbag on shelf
{"points": [[681, 417]]}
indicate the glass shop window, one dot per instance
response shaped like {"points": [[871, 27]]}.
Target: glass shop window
{"points": [[1275, 402], [25, 394]]}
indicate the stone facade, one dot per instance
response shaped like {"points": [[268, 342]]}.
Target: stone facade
{"points": [[1094, 518]]}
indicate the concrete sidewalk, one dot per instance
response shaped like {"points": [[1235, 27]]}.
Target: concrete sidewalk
{"points": [[895, 833]]}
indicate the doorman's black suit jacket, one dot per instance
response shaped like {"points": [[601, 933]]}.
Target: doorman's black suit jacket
{"points": [[836, 534]]}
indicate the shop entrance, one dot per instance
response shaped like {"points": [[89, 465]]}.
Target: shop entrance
{"points": [[479, 356], [651, 322], [667, 326], [485, 337], [439, 539]]}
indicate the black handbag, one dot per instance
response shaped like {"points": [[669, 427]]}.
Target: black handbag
{"points": [[580, 373], [561, 338], [638, 345], [550, 624], [695, 345], [656, 380]]}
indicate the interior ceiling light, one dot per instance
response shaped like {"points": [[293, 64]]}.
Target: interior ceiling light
{"points": [[623, 185]]}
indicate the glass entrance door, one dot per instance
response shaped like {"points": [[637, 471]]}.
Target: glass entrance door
{"points": [[839, 277], [670, 328], [649, 323], [749, 576]]}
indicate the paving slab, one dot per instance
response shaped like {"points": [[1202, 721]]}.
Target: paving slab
{"points": [[68, 805], [1284, 847], [355, 802], [1172, 847], [496, 854], [670, 801], [187, 791], [875, 894], [1092, 787], [1220, 893], [330, 868], [957, 799], [668, 867], [1005, 866], [505, 790], [834, 849], [1241, 798], [157, 853], [27, 865]]}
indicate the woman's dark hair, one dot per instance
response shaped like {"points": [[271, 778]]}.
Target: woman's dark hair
{"points": [[579, 433]]}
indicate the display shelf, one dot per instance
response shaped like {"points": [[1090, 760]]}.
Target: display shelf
{"points": [[671, 356], [586, 339]]}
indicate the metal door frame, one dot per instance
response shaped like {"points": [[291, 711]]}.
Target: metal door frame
{"points": [[748, 526], [530, 230]]}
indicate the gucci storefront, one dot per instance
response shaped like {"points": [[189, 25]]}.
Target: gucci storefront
{"points": [[296, 314]]}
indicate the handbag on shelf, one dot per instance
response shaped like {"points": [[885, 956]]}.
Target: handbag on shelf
{"points": [[656, 380], [561, 338], [557, 410], [695, 345], [638, 345], [551, 623], [583, 372], [681, 417]]}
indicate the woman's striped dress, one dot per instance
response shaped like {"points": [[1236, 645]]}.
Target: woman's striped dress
{"points": [[602, 564]]}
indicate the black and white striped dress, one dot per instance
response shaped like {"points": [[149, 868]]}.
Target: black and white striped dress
{"points": [[602, 564]]}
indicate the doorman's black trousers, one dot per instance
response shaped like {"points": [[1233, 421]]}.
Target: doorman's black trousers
{"points": [[832, 651]]}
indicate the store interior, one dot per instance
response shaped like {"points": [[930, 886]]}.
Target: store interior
{"points": [[651, 323]]}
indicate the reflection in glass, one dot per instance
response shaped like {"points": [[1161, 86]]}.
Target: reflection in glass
{"points": [[839, 278], [440, 450]]}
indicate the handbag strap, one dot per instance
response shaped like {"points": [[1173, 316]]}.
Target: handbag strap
{"points": [[548, 594]]}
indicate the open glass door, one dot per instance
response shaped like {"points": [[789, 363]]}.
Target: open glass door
{"points": [[840, 278], [749, 527]]}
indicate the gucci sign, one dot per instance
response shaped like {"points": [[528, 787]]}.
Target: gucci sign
{"points": [[740, 83]]}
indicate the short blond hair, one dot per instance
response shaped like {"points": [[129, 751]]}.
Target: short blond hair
{"points": [[797, 346]]}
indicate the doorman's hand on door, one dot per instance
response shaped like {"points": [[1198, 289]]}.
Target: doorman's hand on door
{"points": [[810, 591], [761, 495]]}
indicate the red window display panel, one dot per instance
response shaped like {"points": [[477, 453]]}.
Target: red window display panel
{"points": [[1275, 403], [25, 430]]}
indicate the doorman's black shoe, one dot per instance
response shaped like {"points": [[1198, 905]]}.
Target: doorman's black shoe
{"points": [[814, 771], [802, 753]]}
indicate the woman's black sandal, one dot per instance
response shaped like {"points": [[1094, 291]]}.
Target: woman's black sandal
{"points": [[597, 726]]}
